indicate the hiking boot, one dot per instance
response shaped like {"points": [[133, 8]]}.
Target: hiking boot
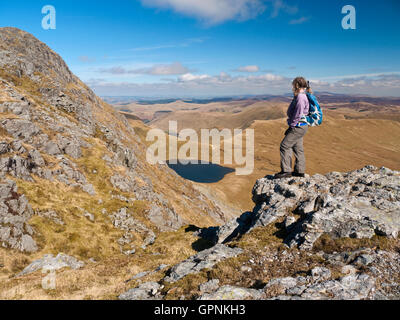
{"points": [[297, 174], [281, 174]]}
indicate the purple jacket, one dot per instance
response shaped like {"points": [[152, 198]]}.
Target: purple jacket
{"points": [[297, 108]]}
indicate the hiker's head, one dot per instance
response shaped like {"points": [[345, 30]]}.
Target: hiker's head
{"points": [[299, 84]]}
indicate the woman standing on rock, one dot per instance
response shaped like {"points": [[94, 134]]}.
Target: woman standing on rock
{"points": [[293, 140]]}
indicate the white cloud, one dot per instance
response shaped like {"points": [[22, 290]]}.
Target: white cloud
{"points": [[167, 69], [185, 43], [225, 79], [157, 47], [268, 77], [192, 85], [86, 59], [212, 11], [175, 68], [352, 76], [279, 5], [299, 20], [192, 77], [248, 69], [374, 85], [114, 70]]}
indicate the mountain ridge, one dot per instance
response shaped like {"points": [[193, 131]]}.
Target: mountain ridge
{"points": [[74, 178]]}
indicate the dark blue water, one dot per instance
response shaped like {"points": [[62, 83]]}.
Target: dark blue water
{"points": [[203, 173]]}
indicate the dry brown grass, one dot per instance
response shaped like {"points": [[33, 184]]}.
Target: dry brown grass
{"points": [[187, 287], [105, 279], [79, 236], [23, 83], [329, 245], [212, 115], [271, 259]]}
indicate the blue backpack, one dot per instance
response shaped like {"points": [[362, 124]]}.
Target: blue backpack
{"points": [[314, 117]]}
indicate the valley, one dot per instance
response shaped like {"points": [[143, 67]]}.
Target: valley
{"points": [[356, 131]]}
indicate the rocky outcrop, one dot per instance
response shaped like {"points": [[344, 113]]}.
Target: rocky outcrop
{"points": [[51, 215], [31, 57], [316, 287], [23, 164], [164, 217], [365, 274], [21, 129], [123, 219], [209, 286], [159, 213], [382, 266], [146, 291], [232, 293], [194, 264], [204, 259], [358, 204], [15, 211], [49, 262]]}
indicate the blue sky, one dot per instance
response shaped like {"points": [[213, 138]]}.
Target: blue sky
{"points": [[193, 48]]}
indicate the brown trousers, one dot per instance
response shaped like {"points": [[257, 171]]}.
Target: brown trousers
{"points": [[293, 142]]}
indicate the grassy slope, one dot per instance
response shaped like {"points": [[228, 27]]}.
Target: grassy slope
{"points": [[225, 117]]}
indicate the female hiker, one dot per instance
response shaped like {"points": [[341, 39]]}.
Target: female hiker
{"points": [[293, 140]]}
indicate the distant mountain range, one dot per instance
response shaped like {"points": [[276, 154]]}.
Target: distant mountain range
{"points": [[324, 97]]}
